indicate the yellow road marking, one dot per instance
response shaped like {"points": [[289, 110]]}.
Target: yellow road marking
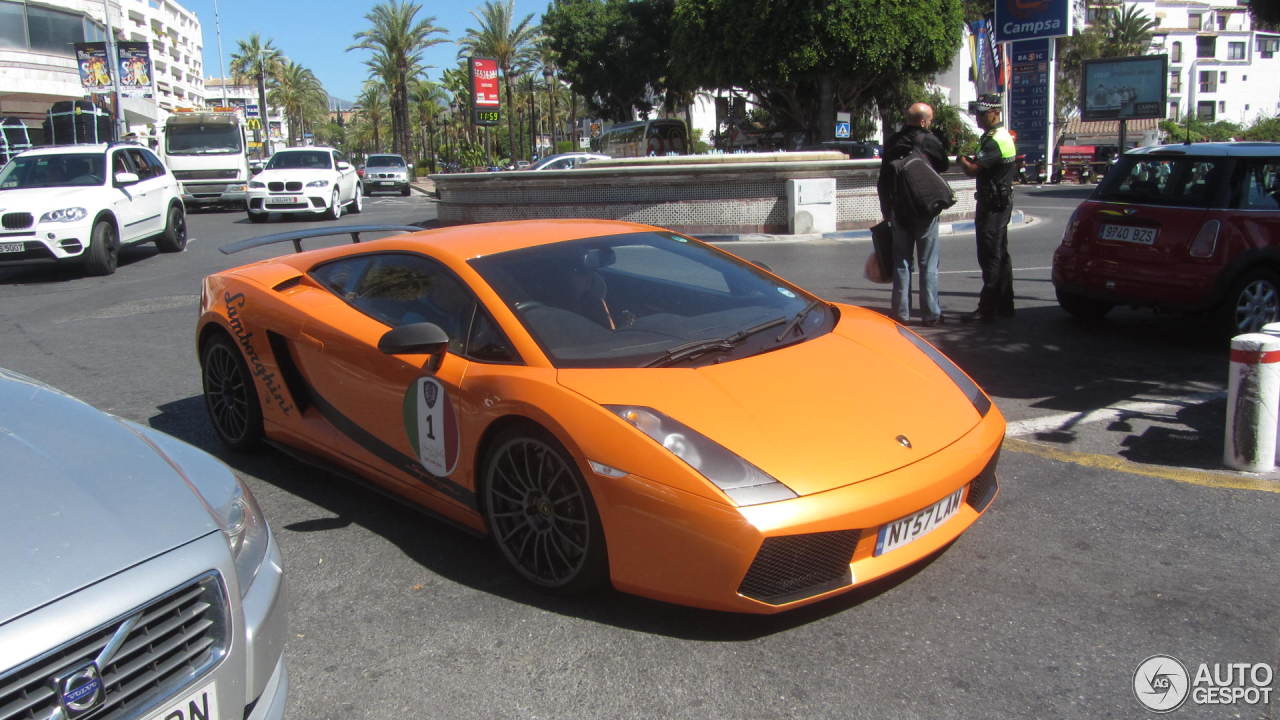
{"points": [[1203, 478]]}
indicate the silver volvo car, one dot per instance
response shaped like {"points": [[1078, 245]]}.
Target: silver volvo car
{"points": [[138, 578]]}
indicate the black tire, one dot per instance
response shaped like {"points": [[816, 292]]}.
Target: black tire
{"points": [[357, 202], [103, 254], [540, 512], [335, 208], [257, 217], [230, 395], [174, 238], [1254, 301], [404, 191], [1081, 307]]}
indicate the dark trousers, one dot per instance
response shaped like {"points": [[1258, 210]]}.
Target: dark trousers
{"points": [[993, 257]]}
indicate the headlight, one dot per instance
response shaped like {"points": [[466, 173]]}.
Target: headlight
{"points": [[980, 401], [246, 532], [70, 214], [318, 183], [743, 482], [254, 184]]}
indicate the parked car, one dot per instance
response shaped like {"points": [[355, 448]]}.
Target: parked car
{"points": [[1192, 228], [386, 172], [140, 577], [613, 403], [305, 180], [566, 161], [81, 203]]}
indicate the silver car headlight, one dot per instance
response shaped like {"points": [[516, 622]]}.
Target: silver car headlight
{"points": [[70, 214], [246, 532], [318, 183], [743, 482], [980, 401], [255, 185]]}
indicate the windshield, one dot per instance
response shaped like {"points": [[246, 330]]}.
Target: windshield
{"points": [[384, 161], [202, 139], [1175, 180], [301, 159], [38, 171], [628, 300]]}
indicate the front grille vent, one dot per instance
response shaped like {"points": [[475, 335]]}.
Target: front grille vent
{"points": [[18, 220], [983, 488], [792, 567], [293, 186], [275, 186], [205, 174], [143, 657]]}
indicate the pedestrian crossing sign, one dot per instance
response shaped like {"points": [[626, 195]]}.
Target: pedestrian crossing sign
{"points": [[842, 130]]}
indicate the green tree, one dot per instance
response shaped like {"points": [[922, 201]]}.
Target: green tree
{"points": [[1126, 32], [428, 104], [257, 60], [1264, 128], [300, 96], [502, 37], [374, 110], [397, 40]]}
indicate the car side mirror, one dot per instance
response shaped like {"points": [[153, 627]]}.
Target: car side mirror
{"points": [[344, 166], [126, 178], [422, 337]]}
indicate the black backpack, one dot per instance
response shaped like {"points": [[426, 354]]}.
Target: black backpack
{"points": [[919, 192]]}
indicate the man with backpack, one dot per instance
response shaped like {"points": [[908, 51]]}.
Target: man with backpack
{"points": [[910, 203]]}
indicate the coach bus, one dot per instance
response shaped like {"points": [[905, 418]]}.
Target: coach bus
{"points": [[643, 138]]}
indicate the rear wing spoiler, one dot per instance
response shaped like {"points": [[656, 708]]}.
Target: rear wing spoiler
{"points": [[297, 236]]}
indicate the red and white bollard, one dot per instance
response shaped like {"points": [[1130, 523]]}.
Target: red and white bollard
{"points": [[1252, 403]]}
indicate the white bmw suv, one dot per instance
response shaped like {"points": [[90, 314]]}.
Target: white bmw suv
{"points": [[305, 180], [81, 203]]}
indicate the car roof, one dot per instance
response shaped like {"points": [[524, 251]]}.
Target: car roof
{"points": [[74, 149], [395, 155], [319, 148], [1211, 149]]}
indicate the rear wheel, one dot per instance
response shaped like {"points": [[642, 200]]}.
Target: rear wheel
{"points": [[1254, 301], [174, 238], [103, 253], [230, 395], [1084, 308], [541, 514]]}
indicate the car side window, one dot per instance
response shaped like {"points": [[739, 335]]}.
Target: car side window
{"points": [[336, 159], [120, 163], [1261, 184], [399, 289], [157, 167], [487, 343], [144, 169]]}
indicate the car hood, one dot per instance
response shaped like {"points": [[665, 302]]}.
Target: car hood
{"points": [[39, 200], [303, 174], [816, 415], [83, 497]]}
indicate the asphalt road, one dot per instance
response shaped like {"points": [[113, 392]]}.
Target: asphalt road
{"points": [[1117, 534]]}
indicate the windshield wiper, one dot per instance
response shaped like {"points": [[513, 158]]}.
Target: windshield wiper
{"points": [[701, 347], [795, 321]]}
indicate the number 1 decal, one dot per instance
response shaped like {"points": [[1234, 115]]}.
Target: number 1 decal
{"points": [[432, 425]]}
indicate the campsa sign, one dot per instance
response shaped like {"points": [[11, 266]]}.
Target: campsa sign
{"points": [[1031, 19]]}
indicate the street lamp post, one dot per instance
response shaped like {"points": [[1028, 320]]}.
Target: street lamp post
{"points": [[113, 57]]}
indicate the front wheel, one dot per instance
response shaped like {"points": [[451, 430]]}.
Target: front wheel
{"points": [[103, 253], [335, 208], [404, 191], [230, 395], [357, 202], [541, 514], [1254, 301], [1084, 308], [174, 238]]}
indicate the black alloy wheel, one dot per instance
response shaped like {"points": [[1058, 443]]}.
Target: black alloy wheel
{"points": [[103, 254], [174, 238], [541, 514], [230, 394]]}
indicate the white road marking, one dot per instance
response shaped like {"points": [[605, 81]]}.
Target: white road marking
{"points": [[137, 307], [1066, 421]]}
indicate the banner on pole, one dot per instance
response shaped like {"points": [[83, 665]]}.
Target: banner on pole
{"points": [[135, 66], [95, 70]]}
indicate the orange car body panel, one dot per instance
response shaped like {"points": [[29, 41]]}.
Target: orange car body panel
{"points": [[821, 416]]}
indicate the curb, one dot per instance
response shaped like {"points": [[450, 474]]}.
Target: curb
{"points": [[1017, 218]]}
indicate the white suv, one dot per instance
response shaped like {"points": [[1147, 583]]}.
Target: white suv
{"points": [[386, 172], [61, 204], [305, 180]]}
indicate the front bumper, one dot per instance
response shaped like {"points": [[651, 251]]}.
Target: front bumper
{"points": [[372, 185], [305, 201], [213, 193], [672, 546], [45, 242]]}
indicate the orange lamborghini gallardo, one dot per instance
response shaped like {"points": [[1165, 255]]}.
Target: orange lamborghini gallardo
{"points": [[612, 403]]}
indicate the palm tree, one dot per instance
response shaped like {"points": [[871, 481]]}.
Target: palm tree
{"points": [[429, 101], [1127, 32], [373, 104], [502, 38], [397, 41], [258, 60], [299, 94]]}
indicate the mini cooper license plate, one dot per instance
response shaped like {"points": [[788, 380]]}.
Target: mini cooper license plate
{"points": [[1128, 233], [918, 524], [12, 247], [202, 703]]}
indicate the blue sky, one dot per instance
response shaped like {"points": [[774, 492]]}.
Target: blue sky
{"points": [[316, 33]]}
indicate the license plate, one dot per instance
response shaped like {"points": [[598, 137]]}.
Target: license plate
{"points": [[11, 247], [1128, 233], [917, 524], [202, 703], [385, 182], [281, 201]]}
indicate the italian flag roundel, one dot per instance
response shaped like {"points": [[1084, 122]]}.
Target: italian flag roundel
{"points": [[432, 425]]}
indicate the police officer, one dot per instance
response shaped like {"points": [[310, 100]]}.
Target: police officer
{"points": [[995, 168]]}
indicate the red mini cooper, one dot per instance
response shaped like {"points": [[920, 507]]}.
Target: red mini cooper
{"points": [[1192, 228]]}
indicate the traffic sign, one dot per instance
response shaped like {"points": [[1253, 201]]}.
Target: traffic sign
{"points": [[842, 130]]}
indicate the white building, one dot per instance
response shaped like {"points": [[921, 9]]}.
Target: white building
{"points": [[37, 55]]}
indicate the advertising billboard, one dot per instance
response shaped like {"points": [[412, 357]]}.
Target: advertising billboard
{"points": [[135, 66], [1124, 88], [485, 102], [1029, 98], [1031, 19], [95, 70]]}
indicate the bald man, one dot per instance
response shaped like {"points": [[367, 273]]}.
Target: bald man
{"points": [[918, 234]]}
